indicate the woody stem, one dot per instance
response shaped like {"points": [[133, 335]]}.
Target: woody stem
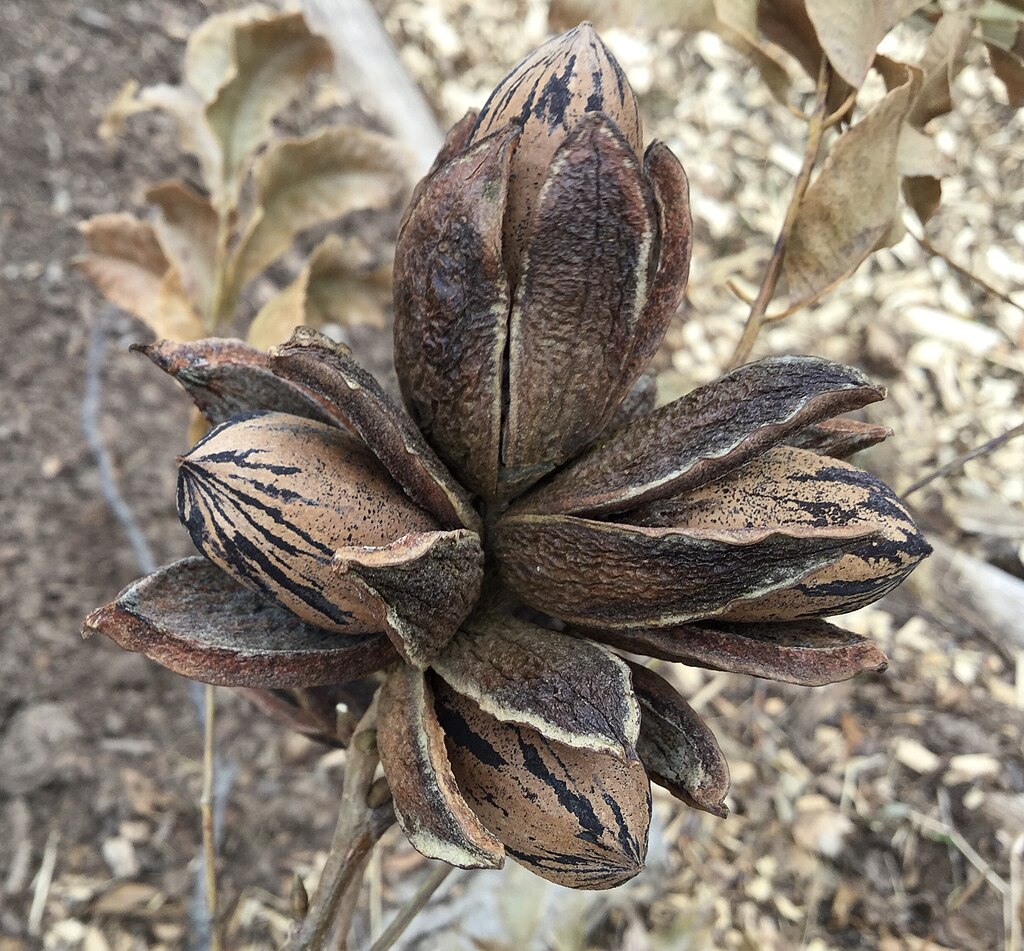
{"points": [[815, 128]]}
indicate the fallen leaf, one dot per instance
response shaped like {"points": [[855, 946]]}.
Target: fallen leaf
{"points": [[851, 207], [272, 60], [1002, 29], [337, 286], [305, 182]]}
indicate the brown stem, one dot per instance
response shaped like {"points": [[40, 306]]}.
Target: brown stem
{"points": [[206, 812], [815, 128], [965, 273], [358, 829], [965, 457]]}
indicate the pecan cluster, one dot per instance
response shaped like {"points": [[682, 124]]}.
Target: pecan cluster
{"points": [[486, 556]]}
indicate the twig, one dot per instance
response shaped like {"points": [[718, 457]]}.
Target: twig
{"points": [[376, 896], [206, 802], [965, 273], [954, 464], [358, 829], [1013, 907], [928, 824], [119, 508], [404, 918], [773, 271], [44, 878]]}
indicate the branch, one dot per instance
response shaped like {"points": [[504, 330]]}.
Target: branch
{"points": [[360, 825], [954, 464], [773, 271]]}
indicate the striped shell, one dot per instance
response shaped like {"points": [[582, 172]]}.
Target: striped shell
{"points": [[548, 94], [271, 498], [797, 488], [575, 817]]}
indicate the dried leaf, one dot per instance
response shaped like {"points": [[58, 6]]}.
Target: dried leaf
{"points": [[209, 60], [574, 817], [943, 59], [271, 60], [450, 285], [227, 378], [354, 399], [186, 228], [335, 286], [676, 746], [851, 206], [809, 653], [1009, 68], [704, 435], [194, 132], [850, 32], [604, 576], [430, 809], [308, 181], [128, 266], [193, 619], [569, 690], [271, 498]]}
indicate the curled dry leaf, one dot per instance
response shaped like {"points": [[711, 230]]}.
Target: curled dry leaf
{"points": [[308, 181], [210, 59], [852, 206], [337, 285], [128, 265], [186, 227], [850, 32], [271, 59]]}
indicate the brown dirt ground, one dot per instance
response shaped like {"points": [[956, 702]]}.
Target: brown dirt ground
{"points": [[851, 812]]}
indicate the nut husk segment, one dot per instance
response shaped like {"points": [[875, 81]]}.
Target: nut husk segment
{"points": [[704, 435], [271, 498], [568, 689], [329, 373], [451, 309], [676, 746], [430, 809], [602, 575], [574, 817], [193, 619]]}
